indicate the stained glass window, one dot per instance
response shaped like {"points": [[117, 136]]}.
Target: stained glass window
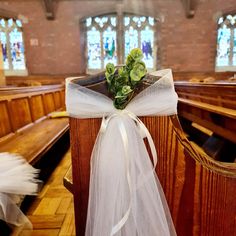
{"points": [[226, 43], [12, 43], [102, 34], [101, 41], [139, 32]]}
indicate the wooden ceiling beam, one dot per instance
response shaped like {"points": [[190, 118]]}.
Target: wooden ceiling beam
{"points": [[189, 6], [49, 10]]}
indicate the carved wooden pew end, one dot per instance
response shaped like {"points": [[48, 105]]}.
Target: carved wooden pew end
{"points": [[194, 184]]}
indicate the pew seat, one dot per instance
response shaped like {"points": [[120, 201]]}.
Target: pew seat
{"points": [[34, 141], [219, 120]]}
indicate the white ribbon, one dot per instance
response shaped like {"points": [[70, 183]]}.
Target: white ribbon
{"points": [[142, 130]]}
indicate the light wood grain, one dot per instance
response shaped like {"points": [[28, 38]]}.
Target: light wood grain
{"points": [[68, 227], [48, 206], [199, 190]]}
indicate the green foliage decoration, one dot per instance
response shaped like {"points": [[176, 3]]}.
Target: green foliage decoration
{"points": [[123, 82]]}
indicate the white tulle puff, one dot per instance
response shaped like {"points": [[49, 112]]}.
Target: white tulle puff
{"points": [[17, 178], [125, 198]]}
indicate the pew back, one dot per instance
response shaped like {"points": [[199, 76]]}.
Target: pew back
{"points": [[223, 95], [33, 80], [212, 106], [203, 76]]}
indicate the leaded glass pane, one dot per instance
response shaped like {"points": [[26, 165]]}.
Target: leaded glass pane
{"points": [[18, 23], [131, 40], [109, 46], [147, 38], [94, 49], [113, 21], [3, 40], [17, 50], [88, 21], [10, 22], [2, 23], [151, 21], [223, 46], [104, 19], [234, 49], [126, 20]]}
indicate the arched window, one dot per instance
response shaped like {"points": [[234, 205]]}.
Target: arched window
{"points": [[226, 43], [109, 38], [101, 41], [11, 39]]}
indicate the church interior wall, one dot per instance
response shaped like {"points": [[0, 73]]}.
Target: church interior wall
{"points": [[54, 46]]}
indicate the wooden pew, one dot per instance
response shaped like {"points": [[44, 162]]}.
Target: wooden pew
{"points": [[199, 190], [213, 107], [223, 95], [25, 126], [220, 120], [204, 76]]}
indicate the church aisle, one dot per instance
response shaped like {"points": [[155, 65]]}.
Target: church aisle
{"points": [[52, 212]]}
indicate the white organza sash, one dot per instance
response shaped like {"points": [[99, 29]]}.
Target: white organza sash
{"points": [[125, 197]]}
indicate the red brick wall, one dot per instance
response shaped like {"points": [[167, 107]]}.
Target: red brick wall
{"points": [[185, 44]]}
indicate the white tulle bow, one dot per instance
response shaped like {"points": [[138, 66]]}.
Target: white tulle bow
{"points": [[17, 178], [125, 196]]}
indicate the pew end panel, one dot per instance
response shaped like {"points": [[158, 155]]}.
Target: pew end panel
{"points": [[199, 190]]}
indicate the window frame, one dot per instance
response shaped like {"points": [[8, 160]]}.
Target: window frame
{"points": [[230, 66], [8, 30], [120, 33]]}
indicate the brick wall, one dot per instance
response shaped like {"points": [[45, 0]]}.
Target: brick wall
{"points": [[185, 44]]}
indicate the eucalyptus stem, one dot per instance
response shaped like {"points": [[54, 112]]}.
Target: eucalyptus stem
{"points": [[123, 83]]}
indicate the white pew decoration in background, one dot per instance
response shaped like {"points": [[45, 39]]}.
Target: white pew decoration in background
{"points": [[17, 178], [125, 197]]}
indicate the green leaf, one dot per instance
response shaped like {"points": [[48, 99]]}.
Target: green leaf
{"points": [[123, 83], [110, 68]]}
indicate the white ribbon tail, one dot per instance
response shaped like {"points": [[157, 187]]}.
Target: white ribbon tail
{"points": [[142, 179]]}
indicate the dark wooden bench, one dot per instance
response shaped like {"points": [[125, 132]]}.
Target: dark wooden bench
{"points": [[211, 108], [223, 94], [219, 120], [200, 191], [25, 125]]}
